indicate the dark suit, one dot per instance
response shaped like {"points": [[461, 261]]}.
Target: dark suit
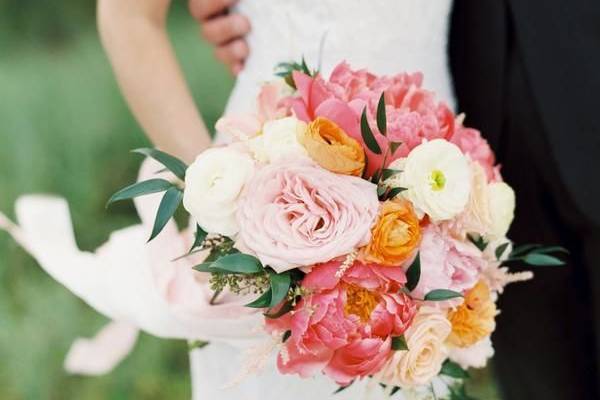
{"points": [[527, 73]]}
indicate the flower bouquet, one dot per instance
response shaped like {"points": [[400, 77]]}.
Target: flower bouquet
{"points": [[365, 220]]}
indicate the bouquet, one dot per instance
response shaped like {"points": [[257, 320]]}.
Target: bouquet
{"points": [[365, 221]]}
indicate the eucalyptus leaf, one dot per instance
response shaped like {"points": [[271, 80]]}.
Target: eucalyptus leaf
{"points": [[453, 370], [262, 302], [168, 205], [387, 173], [367, 134], [395, 192], [342, 388], [550, 249], [501, 249], [199, 237], [441, 295], [394, 146], [525, 248], [286, 335], [174, 164], [399, 343], [381, 190], [542, 260], [280, 285], [204, 267], [413, 274], [140, 189], [280, 312], [238, 263], [477, 240], [395, 390], [381, 117]]}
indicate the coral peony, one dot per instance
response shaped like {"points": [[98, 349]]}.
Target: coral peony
{"points": [[295, 213], [344, 326], [330, 147], [395, 236], [474, 319]]}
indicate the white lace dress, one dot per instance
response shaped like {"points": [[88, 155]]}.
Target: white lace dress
{"points": [[138, 286]]}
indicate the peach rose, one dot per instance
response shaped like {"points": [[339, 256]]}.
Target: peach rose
{"points": [[330, 147], [473, 320], [395, 236]]}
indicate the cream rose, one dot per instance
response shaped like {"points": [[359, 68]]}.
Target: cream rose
{"points": [[212, 186], [502, 207], [426, 351], [278, 140], [438, 179]]}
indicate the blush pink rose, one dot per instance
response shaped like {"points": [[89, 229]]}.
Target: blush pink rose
{"points": [[447, 263], [477, 148], [333, 332], [293, 213], [413, 113]]}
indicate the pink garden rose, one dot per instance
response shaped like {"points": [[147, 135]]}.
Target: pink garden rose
{"points": [[471, 143], [344, 327], [413, 114], [294, 213], [447, 263]]}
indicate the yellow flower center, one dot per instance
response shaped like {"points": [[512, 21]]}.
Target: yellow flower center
{"points": [[437, 180], [360, 302]]}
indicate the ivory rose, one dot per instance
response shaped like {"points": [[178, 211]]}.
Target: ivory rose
{"points": [[395, 236], [474, 319], [475, 356], [502, 207], [438, 179], [278, 140], [213, 184], [344, 326], [330, 147], [447, 263], [426, 351], [295, 213]]}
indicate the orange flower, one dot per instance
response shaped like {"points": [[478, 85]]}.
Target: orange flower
{"points": [[395, 236], [474, 319], [330, 147]]}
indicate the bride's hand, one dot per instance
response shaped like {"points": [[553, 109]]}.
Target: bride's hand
{"points": [[224, 30]]}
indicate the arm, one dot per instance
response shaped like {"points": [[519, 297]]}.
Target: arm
{"points": [[134, 35]]}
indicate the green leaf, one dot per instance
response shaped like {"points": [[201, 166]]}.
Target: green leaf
{"points": [[542, 260], [342, 388], [550, 249], [453, 370], [305, 68], [174, 164], [394, 146], [204, 267], [395, 390], [280, 285], [381, 190], [199, 237], [140, 189], [399, 343], [387, 173], [284, 309], [286, 336], [367, 134], [376, 176], [166, 210], [441, 295], [238, 263], [525, 248], [413, 274], [477, 240], [501, 249], [395, 192], [262, 302], [381, 117]]}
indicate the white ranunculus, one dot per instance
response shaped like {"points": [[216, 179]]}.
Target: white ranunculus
{"points": [[475, 356], [426, 352], [212, 186], [502, 207], [438, 179], [278, 140]]}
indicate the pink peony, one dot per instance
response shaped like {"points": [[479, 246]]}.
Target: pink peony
{"points": [[344, 327], [477, 148], [447, 263], [295, 213], [413, 113]]}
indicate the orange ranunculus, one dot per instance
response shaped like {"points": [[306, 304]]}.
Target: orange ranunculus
{"points": [[395, 236], [474, 319], [330, 147]]}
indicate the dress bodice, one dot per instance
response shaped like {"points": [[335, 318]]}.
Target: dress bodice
{"points": [[385, 36]]}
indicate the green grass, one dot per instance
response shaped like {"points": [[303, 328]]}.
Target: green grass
{"points": [[64, 129]]}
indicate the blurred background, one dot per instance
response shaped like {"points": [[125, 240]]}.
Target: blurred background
{"points": [[65, 129]]}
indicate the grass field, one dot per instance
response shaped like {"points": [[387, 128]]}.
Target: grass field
{"points": [[64, 129]]}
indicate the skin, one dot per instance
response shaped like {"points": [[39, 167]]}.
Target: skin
{"points": [[134, 36]]}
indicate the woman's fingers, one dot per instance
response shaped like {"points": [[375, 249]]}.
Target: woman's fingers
{"points": [[224, 29], [233, 54], [202, 10]]}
